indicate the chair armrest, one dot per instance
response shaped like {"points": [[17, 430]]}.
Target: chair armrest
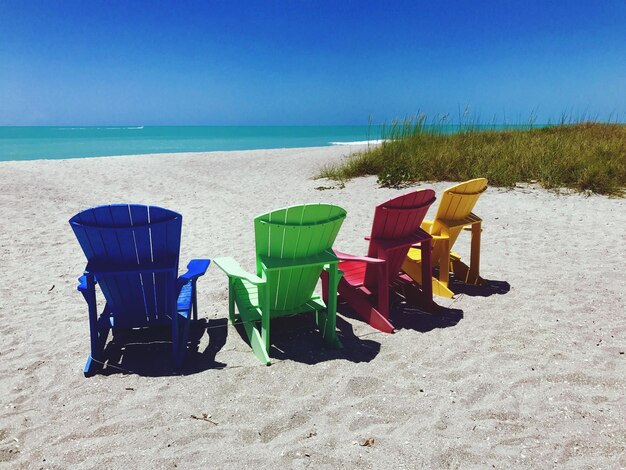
{"points": [[434, 237], [427, 225], [82, 284], [328, 267], [362, 259], [440, 237], [195, 269], [471, 219], [475, 220], [232, 269]]}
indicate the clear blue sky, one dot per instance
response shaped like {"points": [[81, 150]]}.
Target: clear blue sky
{"points": [[308, 62]]}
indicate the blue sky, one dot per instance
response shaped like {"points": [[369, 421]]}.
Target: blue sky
{"points": [[308, 62]]}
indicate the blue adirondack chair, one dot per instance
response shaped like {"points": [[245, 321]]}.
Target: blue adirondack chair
{"points": [[132, 254]]}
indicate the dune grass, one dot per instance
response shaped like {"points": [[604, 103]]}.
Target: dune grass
{"points": [[586, 157]]}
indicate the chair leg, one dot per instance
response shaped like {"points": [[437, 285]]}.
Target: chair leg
{"points": [[459, 268], [265, 317], [186, 326], [415, 269], [231, 300], [179, 336], [441, 289], [383, 292], [325, 291], [427, 287], [327, 321], [444, 260], [98, 329], [474, 277], [258, 335], [462, 272], [257, 343], [181, 349], [99, 336], [361, 304], [194, 300]]}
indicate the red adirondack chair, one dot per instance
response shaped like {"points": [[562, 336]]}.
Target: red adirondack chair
{"points": [[368, 280]]}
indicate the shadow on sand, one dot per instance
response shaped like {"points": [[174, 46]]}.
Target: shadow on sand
{"points": [[488, 288], [411, 316], [148, 352], [297, 339]]}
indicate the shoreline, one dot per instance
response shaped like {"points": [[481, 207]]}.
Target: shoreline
{"points": [[29, 143], [533, 375], [346, 146]]}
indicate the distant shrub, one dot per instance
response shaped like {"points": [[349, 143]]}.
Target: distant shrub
{"points": [[583, 156]]}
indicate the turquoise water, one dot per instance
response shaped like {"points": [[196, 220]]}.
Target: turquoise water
{"points": [[32, 143]]}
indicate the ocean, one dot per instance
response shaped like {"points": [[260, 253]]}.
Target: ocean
{"points": [[33, 143], [51, 143]]}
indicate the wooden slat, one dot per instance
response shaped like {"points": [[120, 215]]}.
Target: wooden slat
{"points": [[141, 233], [261, 235], [141, 237], [95, 239], [173, 238], [158, 234], [277, 291], [287, 286]]}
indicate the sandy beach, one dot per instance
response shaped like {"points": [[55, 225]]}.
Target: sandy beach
{"points": [[532, 375]]}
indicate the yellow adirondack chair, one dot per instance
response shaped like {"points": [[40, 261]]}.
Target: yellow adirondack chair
{"points": [[453, 215]]}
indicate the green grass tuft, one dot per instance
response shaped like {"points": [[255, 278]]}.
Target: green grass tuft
{"points": [[587, 157]]}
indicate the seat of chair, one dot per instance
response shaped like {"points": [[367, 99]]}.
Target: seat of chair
{"points": [[414, 254], [247, 298], [353, 272]]}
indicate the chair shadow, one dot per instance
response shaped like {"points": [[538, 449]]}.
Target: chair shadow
{"points": [[148, 352], [297, 339], [489, 288], [412, 316]]}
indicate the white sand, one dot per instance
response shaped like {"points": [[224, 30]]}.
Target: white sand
{"points": [[533, 378]]}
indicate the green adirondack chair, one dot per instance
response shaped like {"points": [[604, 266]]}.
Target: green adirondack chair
{"points": [[293, 245]]}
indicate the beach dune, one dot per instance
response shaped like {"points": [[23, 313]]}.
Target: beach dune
{"points": [[529, 372]]}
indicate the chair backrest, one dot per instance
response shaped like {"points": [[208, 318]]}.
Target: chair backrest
{"points": [[397, 218], [456, 204], [125, 237], [293, 233]]}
